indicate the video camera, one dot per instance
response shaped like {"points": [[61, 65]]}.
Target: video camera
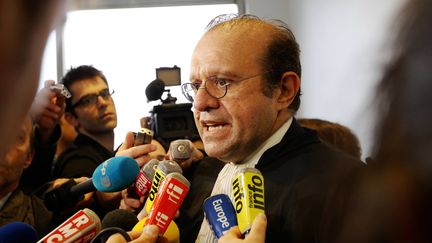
{"points": [[170, 121]]}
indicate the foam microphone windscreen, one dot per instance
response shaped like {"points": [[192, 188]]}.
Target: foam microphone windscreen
{"points": [[180, 149], [155, 90], [18, 232], [120, 218], [115, 174]]}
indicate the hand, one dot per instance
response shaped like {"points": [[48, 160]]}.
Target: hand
{"points": [[46, 110], [256, 235], [57, 198], [139, 153], [148, 235]]}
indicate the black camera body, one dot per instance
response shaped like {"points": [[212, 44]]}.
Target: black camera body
{"points": [[174, 121]]}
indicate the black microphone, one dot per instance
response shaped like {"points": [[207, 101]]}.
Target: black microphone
{"points": [[155, 90], [120, 218], [116, 221]]}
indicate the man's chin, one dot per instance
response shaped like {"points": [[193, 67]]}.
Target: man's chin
{"points": [[218, 152], [213, 152]]}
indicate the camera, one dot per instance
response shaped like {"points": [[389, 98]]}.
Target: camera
{"points": [[170, 121]]}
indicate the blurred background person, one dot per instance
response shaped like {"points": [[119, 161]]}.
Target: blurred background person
{"points": [[24, 29], [334, 134], [394, 198], [15, 205]]}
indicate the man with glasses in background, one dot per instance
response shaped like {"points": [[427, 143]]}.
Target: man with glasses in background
{"points": [[91, 111], [245, 90]]}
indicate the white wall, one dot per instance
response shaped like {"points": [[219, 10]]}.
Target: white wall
{"points": [[342, 46]]}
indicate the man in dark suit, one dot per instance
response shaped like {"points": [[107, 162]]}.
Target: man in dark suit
{"points": [[245, 89]]}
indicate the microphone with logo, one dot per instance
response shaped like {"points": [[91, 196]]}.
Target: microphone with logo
{"points": [[248, 194], [18, 232], [220, 214], [144, 180], [169, 198], [162, 170], [80, 227], [115, 174]]}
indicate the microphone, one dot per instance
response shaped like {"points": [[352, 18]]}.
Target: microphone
{"points": [[180, 149], [170, 196], [219, 213], [155, 90], [80, 227], [163, 168], [116, 221], [115, 174], [171, 235], [248, 193], [119, 218], [18, 232], [144, 180]]}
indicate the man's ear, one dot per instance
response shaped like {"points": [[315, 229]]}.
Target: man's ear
{"points": [[72, 119], [289, 87]]}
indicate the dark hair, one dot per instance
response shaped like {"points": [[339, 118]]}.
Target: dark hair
{"points": [[334, 134], [283, 53], [77, 74]]}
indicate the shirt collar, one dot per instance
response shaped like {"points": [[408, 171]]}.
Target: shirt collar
{"points": [[270, 142]]}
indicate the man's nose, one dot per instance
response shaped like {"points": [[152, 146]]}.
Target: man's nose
{"points": [[203, 101]]}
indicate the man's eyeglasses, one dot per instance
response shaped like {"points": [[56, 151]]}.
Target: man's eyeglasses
{"points": [[92, 99], [215, 87]]}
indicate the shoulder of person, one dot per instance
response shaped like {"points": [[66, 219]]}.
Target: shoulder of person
{"points": [[74, 155]]}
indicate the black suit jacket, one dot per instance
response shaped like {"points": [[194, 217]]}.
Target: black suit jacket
{"points": [[306, 184]]}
